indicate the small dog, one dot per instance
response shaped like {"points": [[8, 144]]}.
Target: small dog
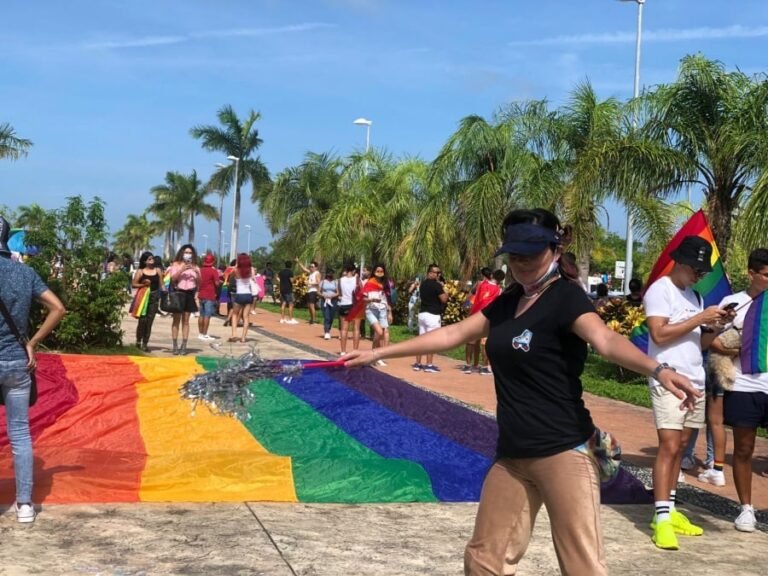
{"points": [[720, 366]]}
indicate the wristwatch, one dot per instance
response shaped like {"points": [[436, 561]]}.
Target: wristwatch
{"points": [[659, 368]]}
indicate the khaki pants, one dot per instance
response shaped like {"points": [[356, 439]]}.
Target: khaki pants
{"points": [[514, 489]]}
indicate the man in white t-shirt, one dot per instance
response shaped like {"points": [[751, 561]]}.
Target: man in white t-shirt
{"points": [[679, 328], [745, 406]]}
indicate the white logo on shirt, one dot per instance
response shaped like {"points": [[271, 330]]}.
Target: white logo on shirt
{"points": [[523, 342]]}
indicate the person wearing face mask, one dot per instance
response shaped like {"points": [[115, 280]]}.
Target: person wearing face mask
{"points": [[185, 278], [538, 331], [147, 276]]}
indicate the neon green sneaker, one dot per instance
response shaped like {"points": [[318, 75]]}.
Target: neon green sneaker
{"points": [[683, 525], [664, 535]]}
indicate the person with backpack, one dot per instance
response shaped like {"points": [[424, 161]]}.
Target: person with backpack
{"points": [[329, 292]]}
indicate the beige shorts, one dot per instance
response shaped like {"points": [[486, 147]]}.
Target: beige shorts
{"points": [[667, 413]]}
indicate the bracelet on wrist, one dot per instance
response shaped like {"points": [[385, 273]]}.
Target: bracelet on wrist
{"points": [[659, 368]]}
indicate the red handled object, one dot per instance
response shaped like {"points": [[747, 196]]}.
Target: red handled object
{"points": [[325, 364]]}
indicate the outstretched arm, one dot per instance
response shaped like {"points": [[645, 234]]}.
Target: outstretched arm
{"points": [[616, 348], [469, 329]]}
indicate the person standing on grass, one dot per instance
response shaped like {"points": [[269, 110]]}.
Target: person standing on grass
{"points": [[285, 277], [210, 281], [433, 300], [269, 282], [329, 291], [679, 329], [313, 288], [348, 289], [486, 292], [19, 286], [745, 406], [538, 332]]}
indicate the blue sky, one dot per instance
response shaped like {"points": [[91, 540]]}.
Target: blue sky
{"points": [[108, 89]]}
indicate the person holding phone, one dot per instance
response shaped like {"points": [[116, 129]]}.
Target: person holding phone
{"points": [[679, 329]]}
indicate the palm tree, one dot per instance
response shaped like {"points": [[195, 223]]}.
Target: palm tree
{"points": [[135, 235], [582, 155], [297, 202], [715, 123], [238, 139], [11, 146], [475, 180], [166, 207], [31, 217], [177, 203]]}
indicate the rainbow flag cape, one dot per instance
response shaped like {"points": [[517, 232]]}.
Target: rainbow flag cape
{"points": [[115, 429], [140, 303], [754, 338], [712, 288]]}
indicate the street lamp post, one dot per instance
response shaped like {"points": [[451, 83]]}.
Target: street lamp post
{"points": [[367, 123], [248, 228], [235, 209], [628, 264], [221, 215], [205, 238]]}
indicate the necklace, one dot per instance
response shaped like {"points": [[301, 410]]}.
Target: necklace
{"points": [[540, 291]]}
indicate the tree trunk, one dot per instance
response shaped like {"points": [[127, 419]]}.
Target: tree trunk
{"points": [[582, 261], [719, 211], [192, 229]]}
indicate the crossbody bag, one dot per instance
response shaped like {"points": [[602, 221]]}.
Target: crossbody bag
{"points": [[23, 343]]}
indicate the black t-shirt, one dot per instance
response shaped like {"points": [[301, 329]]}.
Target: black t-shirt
{"points": [[430, 291], [285, 275], [537, 363]]}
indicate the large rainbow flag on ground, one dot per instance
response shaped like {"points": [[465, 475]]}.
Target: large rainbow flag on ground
{"points": [[712, 288], [115, 429]]}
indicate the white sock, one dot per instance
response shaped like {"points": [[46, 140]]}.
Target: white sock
{"points": [[663, 508]]}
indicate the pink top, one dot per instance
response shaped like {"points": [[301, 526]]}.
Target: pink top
{"points": [[187, 279]]}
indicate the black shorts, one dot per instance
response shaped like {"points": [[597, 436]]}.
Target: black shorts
{"points": [[311, 297], [344, 310], [286, 297], [189, 301], [746, 409]]}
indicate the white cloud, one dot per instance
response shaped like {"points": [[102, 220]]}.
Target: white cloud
{"points": [[254, 32], [146, 42], [151, 41], [664, 35]]}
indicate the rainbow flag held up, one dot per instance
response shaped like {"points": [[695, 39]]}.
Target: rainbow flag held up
{"points": [[140, 303], [754, 338], [712, 288]]}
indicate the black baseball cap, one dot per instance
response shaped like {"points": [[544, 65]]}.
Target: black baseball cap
{"points": [[695, 252]]}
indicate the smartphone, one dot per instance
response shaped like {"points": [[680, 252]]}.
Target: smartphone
{"points": [[730, 306]]}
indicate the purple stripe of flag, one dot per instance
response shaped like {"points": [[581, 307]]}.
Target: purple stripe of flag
{"points": [[465, 427], [748, 352]]}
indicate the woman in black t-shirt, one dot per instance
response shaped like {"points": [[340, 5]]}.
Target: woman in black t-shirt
{"points": [[538, 332]]}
